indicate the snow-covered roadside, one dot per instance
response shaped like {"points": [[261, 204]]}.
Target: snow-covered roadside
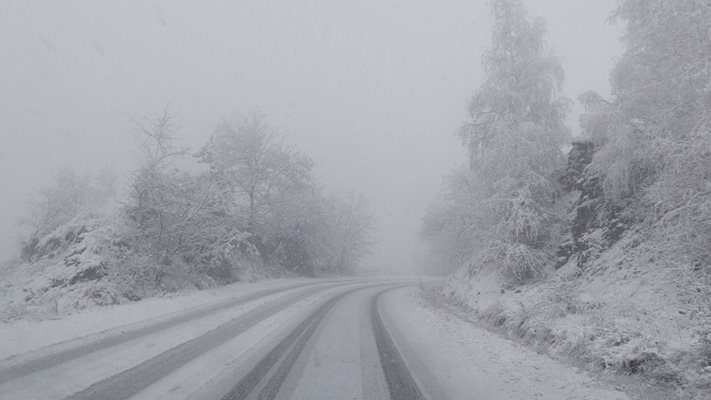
{"points": [[472, 363], [622, 318], [19, 337]]}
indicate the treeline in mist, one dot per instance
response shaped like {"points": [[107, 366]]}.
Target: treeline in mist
{"points": [[243, 206]]}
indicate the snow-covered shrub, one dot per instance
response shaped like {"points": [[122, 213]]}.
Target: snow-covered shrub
{"points": [[57, 204], [70, 269], [518, 262]]}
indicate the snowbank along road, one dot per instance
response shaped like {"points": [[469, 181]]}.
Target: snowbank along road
{"points": [[317, 340]]}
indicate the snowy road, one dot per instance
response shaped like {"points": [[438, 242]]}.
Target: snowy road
{"points": [[349, 339]]}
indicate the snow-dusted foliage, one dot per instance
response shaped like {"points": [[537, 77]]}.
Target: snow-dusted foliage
{"points": [[270, 189], [631, 288], [345, 236], [177, 225], [254, 166], [514, 139], [453, 227], [656, 151], [256, 211]]}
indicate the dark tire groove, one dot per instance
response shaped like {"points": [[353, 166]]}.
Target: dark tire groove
{"points": [[280, 360], [136, 379], [33, 365], [265, 379], [401, 384]]}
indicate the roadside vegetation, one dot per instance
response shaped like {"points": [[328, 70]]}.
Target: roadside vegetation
{"points": [[245, 206], [603, 256]]}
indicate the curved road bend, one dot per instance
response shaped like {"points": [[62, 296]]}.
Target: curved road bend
{"points": [[341, 350], [22, 365], [337, 344]]}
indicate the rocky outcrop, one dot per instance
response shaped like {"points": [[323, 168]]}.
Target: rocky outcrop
{"points": [[595, 225]]}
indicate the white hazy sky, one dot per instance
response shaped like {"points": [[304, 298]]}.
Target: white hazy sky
{"points": [[372, 90]]}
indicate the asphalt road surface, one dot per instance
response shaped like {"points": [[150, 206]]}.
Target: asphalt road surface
{"points": [[317, 340]]}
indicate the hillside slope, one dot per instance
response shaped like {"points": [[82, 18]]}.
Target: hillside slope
{"points": [[618, 302], [89, 261]]}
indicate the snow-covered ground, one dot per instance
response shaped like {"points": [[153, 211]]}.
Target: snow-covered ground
{"points": [[468, 362], [624, 316]]}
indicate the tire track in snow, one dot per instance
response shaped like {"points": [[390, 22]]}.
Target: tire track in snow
{"points": [[266, 378], [401, 384], [138, 378], [24, 368]]}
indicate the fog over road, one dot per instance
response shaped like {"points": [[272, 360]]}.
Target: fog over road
{"points": [[325, 339]]}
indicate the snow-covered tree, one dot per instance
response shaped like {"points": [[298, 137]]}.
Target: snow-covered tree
{"points": [[157, 137], [178, 223], [514, 138], [656, 153], [269, 189], [660, 93], [453, 227], [347, 232], [312, 233], [254, 165]]}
